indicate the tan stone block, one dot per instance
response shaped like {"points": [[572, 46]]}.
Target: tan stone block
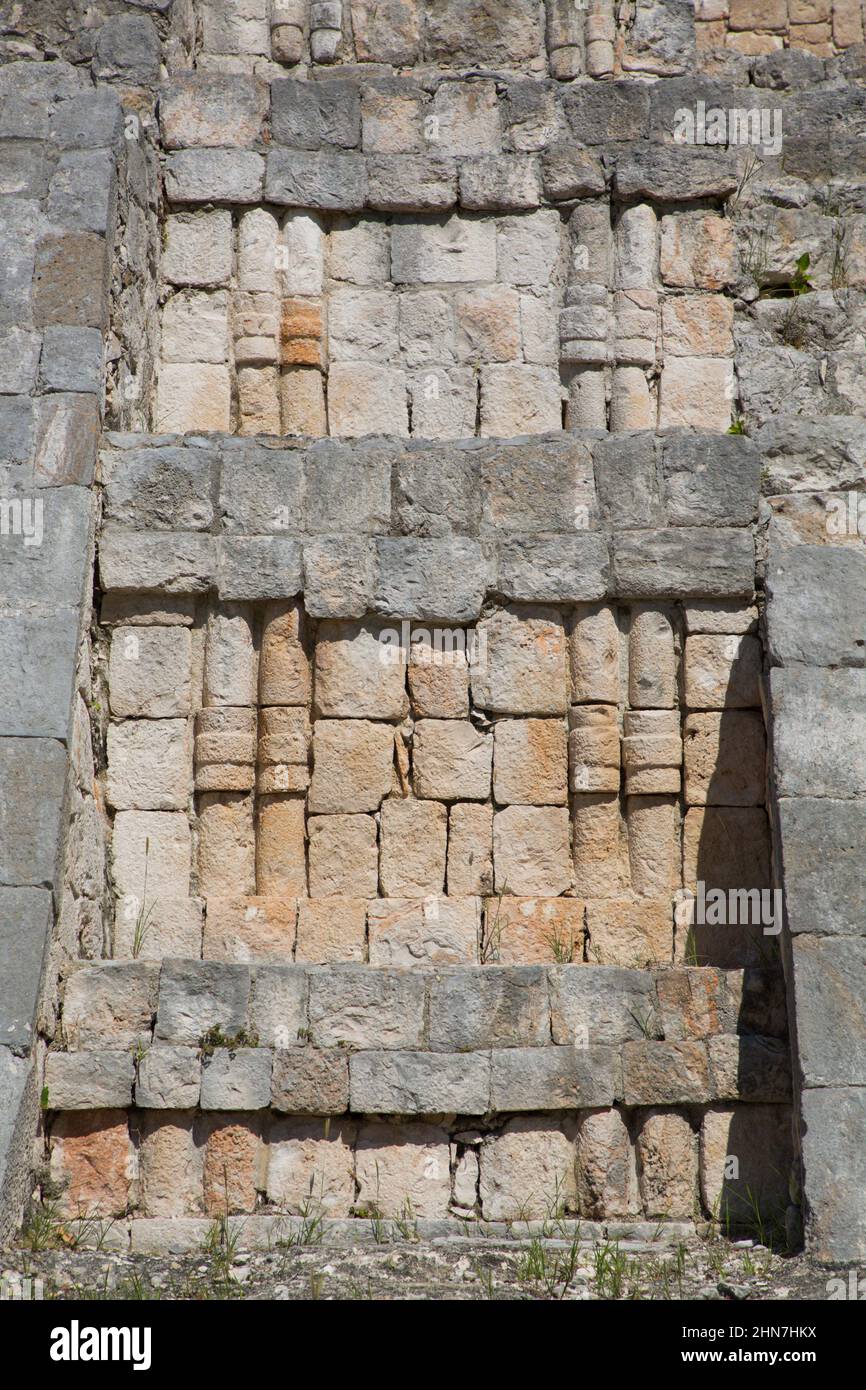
{"points": [[530, 764], [696, 393], [414, 844], [452, 760], [534, 931], [149, 672], [605, 1166], [698, 325], [198, 248], [754, 45], [717, 616], [759, 1139], [392, 122], [594, 650], [280, 846], [758, 14], [226, 844], [694, 1002], [652, 751], [285, 739], [332, 929], [652, 674], [249, 929], [635, 932], [722, 672], [258, 232], [301, 333], [311, 1167], [809, 11], [170, 1165], [284, 671], [305, 254], [235, 1163], [816, 38], [520, 399], [109, 1006], [157, 928], [667, 1154], [94, 1161], [149, 765], [367, 398], [697, 251], [847, 23], [254, 330], [359, 250], [632, 406], [519, 664], [528, 1171], [344, 856], [403, 1170], [531, 854], [600, 849], [593, 748], [726, 847], [230, 671], [725, 757], [653, 844], [355, 675], [302, 400], [195, 328], [435, 931], [258, 400], [488, 325], [353, 765], [438, 681], [225, 749], [150, 854], [470, 849]]}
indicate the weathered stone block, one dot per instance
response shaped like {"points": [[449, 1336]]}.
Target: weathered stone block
{"points": [[436, 931], [471, 1010], [307, 1081], [667, 1163], [530, 762], [419, 1083], [600, 1005], [522, 670], [168, 1078], [524, 931], [278, 1004], [722, 672], [353, 762], [236, 1080], [553, 1078], [92, 1080], [431, 579], [195, 996], [452, 760], [149, 765], [149, 672], [531, 852], [344, 857], [724, 757], [311, 1167], [110, 1005], [470, 849], [403, 1171], [356, 673], [316, 179], [605, 1165], [414, 838], [244, 929], [214, 176], [684, 562], [214, 109], [357, 1007], [593, 748], [527, 1170], [663, 1073]]}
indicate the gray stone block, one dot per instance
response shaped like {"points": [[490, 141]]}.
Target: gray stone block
{"points": [[212, 109], [604, 112], [431, 579], [749, 1067], [320, 179], [160, 489], [128, 47], [71, 359], [684, 562], [308, 115], [154, 562], [23, 169], [338, 576], [626, 476], [816, 715], [356, 1006], [67, 430], [411, 183], [89, 1080], [44, 559], [250, 568], [214, 176], [177, 1235], [310, 1081], [675, 173], [419, 1083], [710, 480], [278, 1004], [480, 1007], [237, 1079], [32, 778], [823, 846], [665, 1073], [195, 996], [831, 632], [91, 120], [261, 490], [437, 492], [601, 1005], [830, 1009], [16, 424], [25, 925], [834, 1167], [553, 1078], [541, 485], [348, 487], [83, 195], [19, 363], [37, 673], [15, 1077], [816, 454], [554, 569], [169, 1078], [51, 81]]}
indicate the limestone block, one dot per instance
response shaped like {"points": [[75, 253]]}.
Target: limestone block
{"points": [[149, 765], [332, 928], [193, 396], [358, 251], [344, 857], [110, 1005], [149, 672], [470, 849], [403, 1170], [411, 183], [593, 748], [666, 1150], [91, 1080], [302, 399], [452, 760], [280, 846], [594, 652], [230, 672], [500, 183], [152, 849], [236, 1079], [697, 251], [419, 1083], [358, 1007], [241, 29], [226, 844], [353, 765], [665, 1073], [444, 403], [426, 328], [211, 109], [225, 749], [450, 252], [530, 762], [726, 847], [355, 675], [249, 928], [157, 928], [438, 678], [309, 1082], [235, 1164], [169, 1078], [284, 670], [599, 846], [466, 119], [652, 676], [724, 758], [92, 1159], [311, 1167], [531, 854], [392, 115], [362, 324], [285, 738], [304, 241], [528, 1170], [414, 840], [631, 932], [435, 931], [195, 327], [488, 325], [366, 399], [652, 752], [722, 672], [308, 118], [519, 666], [278, 1004], [528, 931], [520, 399], [473, 1010], [605, 1164], [696, 393], [198, 249], [653, 844], [698, 325], [759, 1138], [170, 1166]]}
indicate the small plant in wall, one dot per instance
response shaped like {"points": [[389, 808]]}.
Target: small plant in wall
{"points": [[215, 1037]]}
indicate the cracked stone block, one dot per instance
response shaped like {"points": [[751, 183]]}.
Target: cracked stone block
{"points": [[452, 760], [403, 1170], [606, 1174], [421, 932], [149, 765], [353, 765], [311, 1167], [470, 849], [528, 1170], [531, 851]]}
